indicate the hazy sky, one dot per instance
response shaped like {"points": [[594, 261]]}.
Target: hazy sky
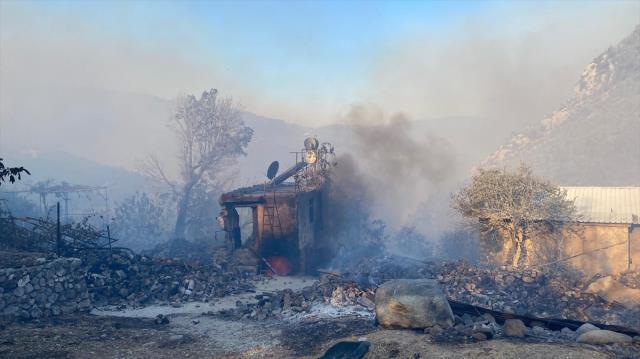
{"points": [[309, 62]]}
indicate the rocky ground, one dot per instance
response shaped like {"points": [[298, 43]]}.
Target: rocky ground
{"points": [[155, 308], [210, 334]]}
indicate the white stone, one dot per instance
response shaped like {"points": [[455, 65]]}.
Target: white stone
{"points": [[586, 327], [603, 337]]}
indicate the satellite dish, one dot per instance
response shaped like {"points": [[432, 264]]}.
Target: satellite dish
{"points": [[311, 143], [273, 170]]}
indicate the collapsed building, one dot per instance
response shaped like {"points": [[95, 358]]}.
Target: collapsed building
{"points": [[286, 219]]}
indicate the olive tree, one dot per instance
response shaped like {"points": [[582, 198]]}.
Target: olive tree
{"points": [[515, 203], [211, 135]]}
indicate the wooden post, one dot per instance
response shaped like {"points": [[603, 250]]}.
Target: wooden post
{"points": [[58, 233]]}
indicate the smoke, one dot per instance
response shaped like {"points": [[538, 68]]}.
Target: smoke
{"points": [[395, 167]]}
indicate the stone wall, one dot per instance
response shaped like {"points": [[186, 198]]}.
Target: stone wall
{"points": [[49, 288]]}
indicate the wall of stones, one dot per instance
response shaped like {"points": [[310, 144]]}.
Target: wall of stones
{"points": [[48, 289]]}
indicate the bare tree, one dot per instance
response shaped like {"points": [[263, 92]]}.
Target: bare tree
{"points": [[516, 203], [211, 136]]}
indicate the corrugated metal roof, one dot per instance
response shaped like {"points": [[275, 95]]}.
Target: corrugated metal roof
{"points": [[606, 204]]}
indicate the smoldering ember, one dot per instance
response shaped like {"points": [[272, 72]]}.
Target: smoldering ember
{"points": [[137, 223]]}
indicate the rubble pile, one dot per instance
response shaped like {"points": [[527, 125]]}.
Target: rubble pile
{"points": [[511, 291], [44, 288], [134, 280], [330, 289], [629, 279], [548, 294]]}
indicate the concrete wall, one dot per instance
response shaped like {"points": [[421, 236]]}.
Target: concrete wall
{"points": [[53, 288]]}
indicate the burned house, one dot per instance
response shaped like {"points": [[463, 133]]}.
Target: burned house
{"points": [[280, 222]]}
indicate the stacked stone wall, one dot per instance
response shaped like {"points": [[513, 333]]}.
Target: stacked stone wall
{"points": [[51, 288]]}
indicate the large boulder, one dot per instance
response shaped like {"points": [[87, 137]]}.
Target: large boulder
{"points": [[412, 303], [603, 337], [514, 328]]}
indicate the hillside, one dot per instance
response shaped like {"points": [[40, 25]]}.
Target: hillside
{"points": [[594, 139]]}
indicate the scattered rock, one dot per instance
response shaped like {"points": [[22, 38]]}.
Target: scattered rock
{"points": [[536, 323], [485, 329], [568, 333], [488, 317], [538, 331], [433, 331], [161, 319], [514, 328]]}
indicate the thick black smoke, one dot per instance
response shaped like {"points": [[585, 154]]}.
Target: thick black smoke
{"points": [[399, 167]]}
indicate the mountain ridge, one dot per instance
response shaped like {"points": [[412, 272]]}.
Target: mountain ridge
{"points": [[593, 138]]}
